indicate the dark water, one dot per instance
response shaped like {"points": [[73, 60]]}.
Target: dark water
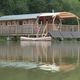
{"points": [[26, 58]]}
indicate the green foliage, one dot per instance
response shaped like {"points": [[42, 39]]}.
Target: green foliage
{"points": [[36, 6], [13, 6], [45, 5], [8, 7], [70, 21], [74, 5], [55, 5]]}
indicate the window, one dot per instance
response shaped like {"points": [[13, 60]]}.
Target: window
{"points": [[20, 22]]}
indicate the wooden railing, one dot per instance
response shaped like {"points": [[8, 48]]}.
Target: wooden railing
{"points": [[19, 29], [63, 27], [32, 29]]}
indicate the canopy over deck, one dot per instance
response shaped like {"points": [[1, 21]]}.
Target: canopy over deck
{"points": [[60, 14], [67, 15]]}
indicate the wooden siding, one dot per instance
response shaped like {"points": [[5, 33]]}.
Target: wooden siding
{"points": [[18, 22]]}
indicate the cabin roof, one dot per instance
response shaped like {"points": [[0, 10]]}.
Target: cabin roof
{"points": [[34, 16], [19, 17], [48, 14]]}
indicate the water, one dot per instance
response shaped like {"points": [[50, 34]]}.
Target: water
{"points": [[45, 59]]}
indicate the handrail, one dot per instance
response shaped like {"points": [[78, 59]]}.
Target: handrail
{"points": [[31, 29]]}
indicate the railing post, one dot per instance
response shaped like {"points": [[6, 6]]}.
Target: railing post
{"points": [[78, 23], [1, 29], [32, 28], [16, 29]]}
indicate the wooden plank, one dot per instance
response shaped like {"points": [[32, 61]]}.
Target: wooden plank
{"points": [[66, 34], [55, 34], [75, 34]]}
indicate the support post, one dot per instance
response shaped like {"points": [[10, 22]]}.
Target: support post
{"points": [[78, 23], [53, 23], [60, 25], [44, 30]]}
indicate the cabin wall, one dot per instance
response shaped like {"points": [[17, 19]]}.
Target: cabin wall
{"points": [[24, 22], [17, 22], [29, 26], [3, 23], [14, 23], [17, 26], [9, 23]]}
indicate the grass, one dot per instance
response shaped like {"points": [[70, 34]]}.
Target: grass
{"points": [[36, 74], [2, 39]]}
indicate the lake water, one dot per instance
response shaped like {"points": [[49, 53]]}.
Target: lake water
{"points": [[41, 60]]}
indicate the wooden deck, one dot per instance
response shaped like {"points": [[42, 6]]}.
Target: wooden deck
{"points": [[64, 34]]}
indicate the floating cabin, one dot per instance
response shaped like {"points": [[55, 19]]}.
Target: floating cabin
{"points": [[37, 24]]}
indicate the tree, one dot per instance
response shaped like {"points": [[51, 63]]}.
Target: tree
{"points": [[45, 5], [55, 5], [36, 6], [13, 6]]}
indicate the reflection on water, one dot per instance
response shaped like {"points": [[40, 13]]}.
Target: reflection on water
{"points": [[64, 55], [25, 65]]}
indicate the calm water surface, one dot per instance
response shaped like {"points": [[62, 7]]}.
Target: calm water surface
{"points": [[26, 59]]}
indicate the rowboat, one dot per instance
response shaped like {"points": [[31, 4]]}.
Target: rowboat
{"points": [[35, 38]]}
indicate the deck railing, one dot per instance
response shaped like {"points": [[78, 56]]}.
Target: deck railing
{"points": [[33, 29]]}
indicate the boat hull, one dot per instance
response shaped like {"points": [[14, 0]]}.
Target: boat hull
{"points": [[35, 39]]}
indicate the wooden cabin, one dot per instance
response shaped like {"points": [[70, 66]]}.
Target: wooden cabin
{"points": [[18, 23], [39, 23], [18, 19]]}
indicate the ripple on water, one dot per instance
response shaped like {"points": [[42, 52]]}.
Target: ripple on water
{"points": [[24, 65]]}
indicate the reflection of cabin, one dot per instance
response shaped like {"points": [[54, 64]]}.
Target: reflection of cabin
{"points": [[39, 23]]}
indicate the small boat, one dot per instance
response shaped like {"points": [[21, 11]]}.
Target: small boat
{"points": [[49, 67], [35, 38]]}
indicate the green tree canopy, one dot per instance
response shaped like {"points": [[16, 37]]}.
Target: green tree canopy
{"points": [[37, 6]]}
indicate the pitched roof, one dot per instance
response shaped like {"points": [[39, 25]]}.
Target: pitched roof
{"points": [[34, 16], [48, 14], [20, 17]]}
